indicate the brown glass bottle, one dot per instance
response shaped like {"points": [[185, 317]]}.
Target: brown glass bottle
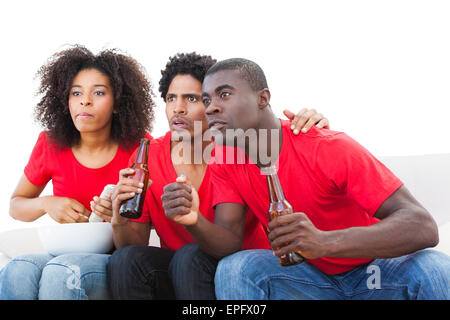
{"points": [[280, 206], [132, 208]]}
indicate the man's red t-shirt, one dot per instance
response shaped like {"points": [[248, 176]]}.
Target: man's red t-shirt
{"points": [[327, 175], [69, 177], [173, 235]]}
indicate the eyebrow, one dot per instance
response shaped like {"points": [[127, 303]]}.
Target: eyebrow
{"points": [[218, 89], [225, 86], [184, 94], [95, 85]]}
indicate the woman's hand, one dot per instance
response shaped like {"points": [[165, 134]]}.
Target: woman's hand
{"points": [[305, 119], [102, 208], [65, 210]]}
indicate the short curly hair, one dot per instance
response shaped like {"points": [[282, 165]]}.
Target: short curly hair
{"points": [[133, 95], [192, 64]]}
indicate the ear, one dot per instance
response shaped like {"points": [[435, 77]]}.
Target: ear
{"points": [[263, 98]]}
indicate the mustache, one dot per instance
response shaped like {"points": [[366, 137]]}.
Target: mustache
{"points": [[178, 116]]}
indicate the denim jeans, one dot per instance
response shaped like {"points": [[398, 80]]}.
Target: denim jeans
{"points": [[257, 274], [46, 277], [150, 273]]}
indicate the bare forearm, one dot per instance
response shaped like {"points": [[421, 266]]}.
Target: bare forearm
{"points": [[27, 209], [125, 235], [401, 233], [214, 239]]}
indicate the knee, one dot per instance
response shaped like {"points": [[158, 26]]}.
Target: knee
{"points": [[27, 265], [125, 260], [230, 269], [234, 272], [191, 256], [432, 264], [429, 274], [20, 277]]}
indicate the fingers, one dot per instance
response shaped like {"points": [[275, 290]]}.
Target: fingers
{"points": [[83, 218], [177, 198], [301, 119], [324, 123], [311, 122], [305, 119], [125, 173], [176, 189], [78, 212], [289, 114], [102, 208], [284, 229]]}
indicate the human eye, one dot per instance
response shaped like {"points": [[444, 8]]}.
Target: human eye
{"points": [[192, 98], [224, 94], [170, 98], [76, 93], [99, 93], [206, 101]]}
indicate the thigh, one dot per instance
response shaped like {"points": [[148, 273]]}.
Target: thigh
{"points": [[424, 274], [192, 272], [19, 279], [257, 274], [140, 272], [75, 276]]}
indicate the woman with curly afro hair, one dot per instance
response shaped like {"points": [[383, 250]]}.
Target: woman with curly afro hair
{"points": [[94, 109]]}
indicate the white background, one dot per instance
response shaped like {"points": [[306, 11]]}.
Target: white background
{"points": [[379, 70]]}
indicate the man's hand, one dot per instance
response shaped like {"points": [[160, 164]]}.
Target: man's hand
{"points": [[181, 202], [66, 210], [125, 189], [295, 232], [305, 119]]}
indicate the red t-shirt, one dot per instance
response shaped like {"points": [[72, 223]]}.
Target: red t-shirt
{"points": [[173, 235], [69, 177], [326, 174]]}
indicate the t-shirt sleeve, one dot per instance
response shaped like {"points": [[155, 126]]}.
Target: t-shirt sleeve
{"points": [[353, 169], [36, 170]]}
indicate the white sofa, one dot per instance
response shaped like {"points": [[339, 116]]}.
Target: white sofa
{"points": [[426, 176]]}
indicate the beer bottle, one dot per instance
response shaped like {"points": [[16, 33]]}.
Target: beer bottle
{"points": [[132, 208], [279, 206]]}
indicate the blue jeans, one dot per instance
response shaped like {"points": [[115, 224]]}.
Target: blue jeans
{"points": [[257, 274], [46, 277]]}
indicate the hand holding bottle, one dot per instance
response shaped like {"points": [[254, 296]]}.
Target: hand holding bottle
{"points": [[294, 232]]}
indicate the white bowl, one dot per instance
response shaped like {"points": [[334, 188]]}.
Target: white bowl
{"points": [[77, 238]]}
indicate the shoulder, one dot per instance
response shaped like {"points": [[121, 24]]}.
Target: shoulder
{"points": [[46, 144], [319, 138], [160, 143]]}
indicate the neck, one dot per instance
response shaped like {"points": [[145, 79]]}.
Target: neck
{"points": [[95, 141], [268, 142], [191, 152]]}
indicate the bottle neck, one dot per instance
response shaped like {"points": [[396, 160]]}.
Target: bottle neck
{"points": [[142, 155], [276, 193]]}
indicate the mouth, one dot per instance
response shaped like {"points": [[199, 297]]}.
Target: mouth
{"points": [[179, 123], [84, 115], [217, 124]]}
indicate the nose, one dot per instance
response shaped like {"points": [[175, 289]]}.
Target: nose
{"points": [[85, 102], [180, 107], [212, 108]]}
